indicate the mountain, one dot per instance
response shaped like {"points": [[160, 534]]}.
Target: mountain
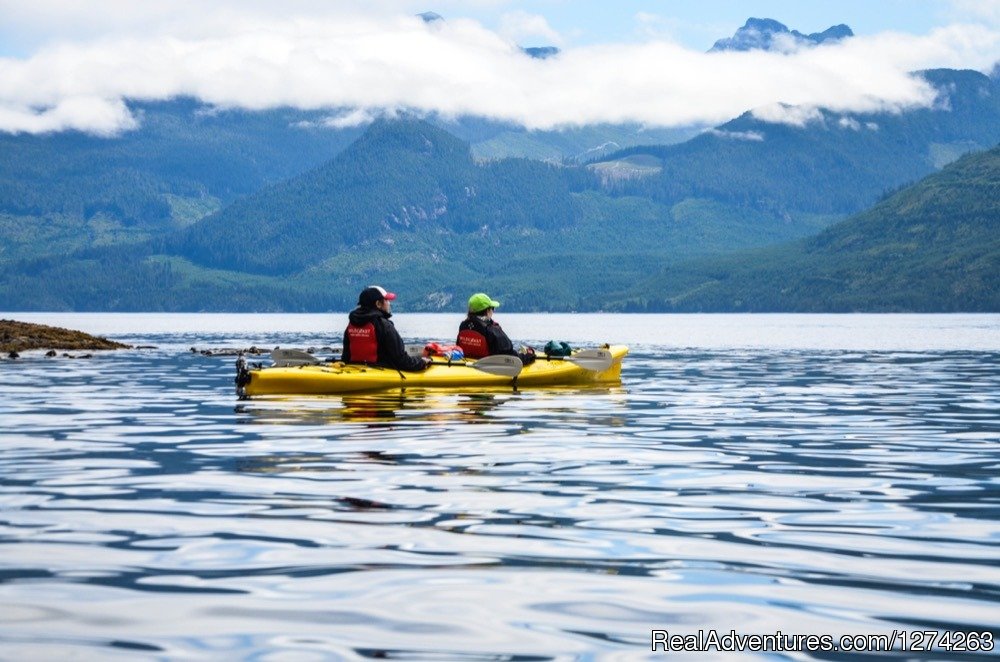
{"points": [[541, 52], [405, 204], [834, 164], [405, 176], [767, 34], [65, 191], [931, 247], [408, 202]]}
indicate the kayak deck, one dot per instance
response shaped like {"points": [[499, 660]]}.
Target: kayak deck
{"points": [[337, 377]]}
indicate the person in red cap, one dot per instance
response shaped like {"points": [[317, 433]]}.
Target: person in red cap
{"points": [[371, 338]]}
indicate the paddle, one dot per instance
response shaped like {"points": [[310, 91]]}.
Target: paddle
{"points": [[498, 364], [596, 360]]}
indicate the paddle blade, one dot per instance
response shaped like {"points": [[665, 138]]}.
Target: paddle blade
{"points": [[597, 360], [291, 357], [499, 364]]}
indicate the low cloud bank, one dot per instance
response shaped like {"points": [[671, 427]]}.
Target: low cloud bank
{"points": [[376, 64]]}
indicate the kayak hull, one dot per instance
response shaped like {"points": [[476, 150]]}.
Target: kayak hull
{"points": [[337, 377]]}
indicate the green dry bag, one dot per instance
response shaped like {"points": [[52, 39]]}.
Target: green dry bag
{"points": [[558, 348]]}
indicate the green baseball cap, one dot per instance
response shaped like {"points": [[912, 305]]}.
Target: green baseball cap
{"points": [[479, 302]]}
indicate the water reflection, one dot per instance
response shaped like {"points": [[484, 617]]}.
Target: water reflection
{"points": [[406, 405], [413, 405]]}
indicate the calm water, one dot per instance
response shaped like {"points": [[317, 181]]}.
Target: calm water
{"points": [[831, 475]]}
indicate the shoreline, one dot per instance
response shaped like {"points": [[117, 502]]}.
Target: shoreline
{"points": [[24, 336]]}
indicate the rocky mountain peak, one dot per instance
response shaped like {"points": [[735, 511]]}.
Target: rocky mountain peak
{"points": [[768, 34]]}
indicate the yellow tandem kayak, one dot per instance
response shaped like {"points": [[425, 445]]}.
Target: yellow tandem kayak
{"points": [[582, 367]]}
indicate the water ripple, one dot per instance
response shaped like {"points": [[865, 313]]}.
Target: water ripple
{"points": [[144, 512]]}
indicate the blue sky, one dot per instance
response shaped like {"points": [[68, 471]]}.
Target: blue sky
{"points": [[694, 24], [76, 64], [698, 24]]}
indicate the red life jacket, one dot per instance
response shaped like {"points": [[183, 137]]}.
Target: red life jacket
{"points": [[364, 343], [473, 344]]}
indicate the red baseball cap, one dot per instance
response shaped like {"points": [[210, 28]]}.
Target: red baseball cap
{"points": [[373, 294]]}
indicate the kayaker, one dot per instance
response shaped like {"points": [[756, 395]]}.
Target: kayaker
{"points": [[479, 335], [371, 337]]}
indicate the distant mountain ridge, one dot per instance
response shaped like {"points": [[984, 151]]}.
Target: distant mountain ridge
{"points": [[838, 163], [768, 34], [930, 247], [406, 203]]}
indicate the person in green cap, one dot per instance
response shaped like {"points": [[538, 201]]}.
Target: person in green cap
{"points": [[479, 335]]}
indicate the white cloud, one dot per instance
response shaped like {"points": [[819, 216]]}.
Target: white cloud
{"points": [[849, 123], [781, 113], [752, 136], [95, 115], [655, 26], [247, 55], [980, 10], [350, 118], [519, 26]]}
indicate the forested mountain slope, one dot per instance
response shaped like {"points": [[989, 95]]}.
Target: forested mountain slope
{"points": [[406, 176], [65, 191], [931, 247], [406, 203]]}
